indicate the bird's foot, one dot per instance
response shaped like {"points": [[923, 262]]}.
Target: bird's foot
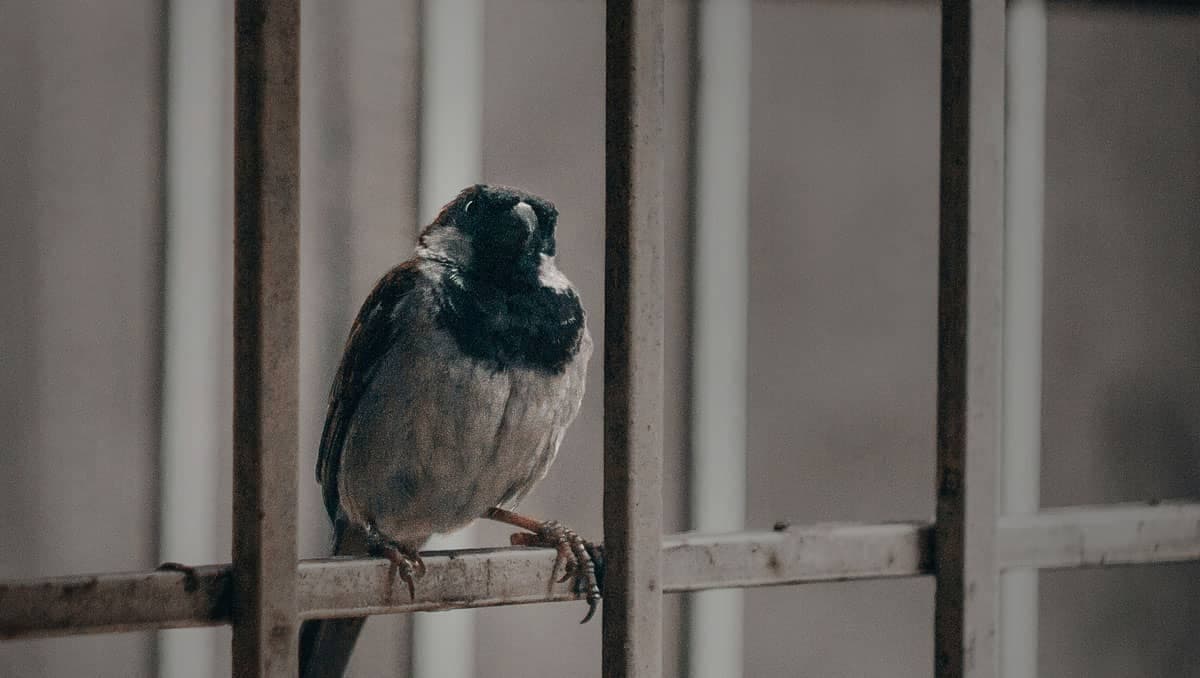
{"points": [[409, 565], [576, 558]]}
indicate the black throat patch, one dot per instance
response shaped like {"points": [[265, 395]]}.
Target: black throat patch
{"points": [[524, 326]]}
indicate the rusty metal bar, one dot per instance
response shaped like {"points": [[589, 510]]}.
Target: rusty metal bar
{"points": [[633, 339], [970, 314], [266, 313], [339, 587], [115, 602], [1084, 536]]}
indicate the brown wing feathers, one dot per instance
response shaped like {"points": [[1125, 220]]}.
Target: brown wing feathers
{"points": [[375, 330]]}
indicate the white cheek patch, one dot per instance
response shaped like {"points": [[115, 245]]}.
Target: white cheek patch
{"points": [[549, 275]]}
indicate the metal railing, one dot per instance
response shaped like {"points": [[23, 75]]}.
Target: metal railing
{"points": [[1127, 534], [264, 595]]}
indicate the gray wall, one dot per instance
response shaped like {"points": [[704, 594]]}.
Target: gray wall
{"points": [[844, 190], [80, 251], [1122, 346]]}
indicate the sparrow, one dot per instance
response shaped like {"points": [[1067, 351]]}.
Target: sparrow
{"points": [[462, 372]]}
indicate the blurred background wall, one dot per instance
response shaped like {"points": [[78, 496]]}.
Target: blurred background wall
{"points": [[842, 247]]}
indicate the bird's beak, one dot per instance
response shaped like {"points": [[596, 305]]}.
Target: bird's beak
{"points": [[525, 215]]}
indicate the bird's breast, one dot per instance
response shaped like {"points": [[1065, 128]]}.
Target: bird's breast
{"points": [[537, 327], [441, 434]]}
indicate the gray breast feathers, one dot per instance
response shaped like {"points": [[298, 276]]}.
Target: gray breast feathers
{"points": [[439, 437]]}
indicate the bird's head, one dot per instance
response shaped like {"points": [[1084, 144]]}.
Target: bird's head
{"points": [[492, 232]]}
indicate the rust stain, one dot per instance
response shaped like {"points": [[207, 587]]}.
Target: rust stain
{"points": [[223, 600], [72, 589], [191, 582], [279, 633]]}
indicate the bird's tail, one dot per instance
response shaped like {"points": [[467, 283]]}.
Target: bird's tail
{"points": [[326, 644]]}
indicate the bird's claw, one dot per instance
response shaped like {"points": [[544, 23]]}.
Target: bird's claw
{"points": [[575, 557], [408, 563], [408, 567]]}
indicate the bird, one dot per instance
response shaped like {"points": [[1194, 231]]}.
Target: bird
{"points": [[461, 373]]}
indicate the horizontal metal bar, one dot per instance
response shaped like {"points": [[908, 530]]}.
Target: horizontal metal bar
{"points": [[834, 552], [107, 603], [344, 587], [1099, 536], [1121, 534]]}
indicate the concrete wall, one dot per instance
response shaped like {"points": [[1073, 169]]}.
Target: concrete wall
{"points": [[844, 195]]}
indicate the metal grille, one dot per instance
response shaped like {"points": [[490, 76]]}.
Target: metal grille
{"points": [[264, 596]]}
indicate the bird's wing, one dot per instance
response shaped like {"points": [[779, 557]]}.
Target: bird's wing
{"points": [[377, 328]]}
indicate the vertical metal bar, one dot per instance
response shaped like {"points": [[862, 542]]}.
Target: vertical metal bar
{"points": [[970, 314], [451, 157], [719, 328], [196, 416], [633, 339], [1025, 176], [266, 337]]}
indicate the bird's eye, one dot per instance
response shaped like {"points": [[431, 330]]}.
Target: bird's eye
{"points": [[469, 205]]}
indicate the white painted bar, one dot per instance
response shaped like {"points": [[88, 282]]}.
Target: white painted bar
{"points": [[1098, 536], [197, 335], [1022, 418], [451, 158], [720, 327]]}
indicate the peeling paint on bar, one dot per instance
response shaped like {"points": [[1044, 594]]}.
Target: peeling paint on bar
{"points": [[1127, 534]]}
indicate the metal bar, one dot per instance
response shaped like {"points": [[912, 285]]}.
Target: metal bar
{"points": [[451, 102], [115, 602], [451, 157], [196, 413], [817, 553], [1084, 536], [1123, 534], [720, 301], [970, 292], [633, 339], [266, 313], [1024, 189]]}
